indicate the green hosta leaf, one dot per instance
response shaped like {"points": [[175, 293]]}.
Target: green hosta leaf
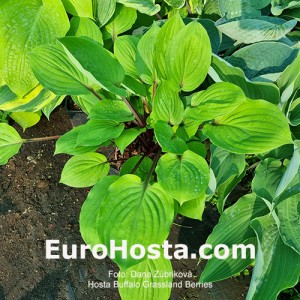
{"points": [[121, 21], [176, 3], [145, 55], [135, 87], [220, 269], [197, 147], [234, 224], [114, 110], [144, 6], [33, 101], [279, 6], [270, 172], [91, 208], [167, 105], [86, 102], [253, 127], [289, 226], [167, 138], [228, 168], [272, 275], [67, 143], [125, 48], [294, 113], [10, 142], [26, 119], [6, 95], [54, 70], [142, 170], [263, 67], [183, 177], [111, 73], [250, 31], [136, 213], [145, 291], [163, 39], [194, 208], [127, 137], [25, 25], [81, 8], [49, 108], [187, 65], [221, 70], [97, 132], [85, 27], [105, 10], [84, 170], [219, 99]]}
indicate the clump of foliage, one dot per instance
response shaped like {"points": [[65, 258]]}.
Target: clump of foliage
{"points": [[178, 80]]}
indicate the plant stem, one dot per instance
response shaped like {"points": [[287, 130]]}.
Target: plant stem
{"points": [[188, 8], [42, 139], [138, 164], [155, 161], [141, 124]]}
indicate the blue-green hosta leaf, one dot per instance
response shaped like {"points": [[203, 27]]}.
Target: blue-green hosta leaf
{"points": [[110, 75], [113, 110], [135, 212], [167, 139], [81, 8], [144, 6], [142, 170], [187, 65], [231, 9], [289, 226], [127, 137], [26, 119], [33, 101], [85, 27], [220, 269], [272, 275], [227, 167], [91, 208], [279, 6], [54, 70], [250, 31], [105, 10], [147, 288], [167, 105], [183, 177], [145, 55], [23, 26], [176, 3], [84, 170], [219, 99], [121, 21], [194, 208], [125, 49], [10, 142], [221, 70], [163, 39], [97, 132], [258, 67], [67, 143], [294, 112], [234, 224], [253, 127]]}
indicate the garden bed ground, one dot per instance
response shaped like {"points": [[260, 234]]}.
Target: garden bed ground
{"points": [[35, 207]]}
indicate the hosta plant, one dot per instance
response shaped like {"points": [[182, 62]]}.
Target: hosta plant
{"points": [[193, 96]]}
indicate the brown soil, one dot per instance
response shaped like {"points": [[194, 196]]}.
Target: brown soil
{"points": [[35, 207]]}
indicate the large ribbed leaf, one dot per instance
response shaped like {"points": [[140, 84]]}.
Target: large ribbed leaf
{"points": [[136, 213], [91, 208], [167, 105], [176, 3], [23, 26], [10, 142], [84, 170], [289, 226], [26, 119], [127, 137], [81, 8], [144, 6], [253, 127], [187, 65], [183, 177], [250, 31], [221, 70], [277, 266], [105, 10], [279, 6], [143, 289]]}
